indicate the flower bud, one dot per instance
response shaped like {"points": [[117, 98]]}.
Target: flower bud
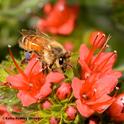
{"points": [[116, 110], [71, 112], [97, 39], [16, 109], [46, 105], [3, 109], [63, 91], [53, 120]]}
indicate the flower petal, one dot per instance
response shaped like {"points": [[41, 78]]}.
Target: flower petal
{"points": [[25, 98], [109, 57], [84, 109], [67, 28], [44, 91], [76, 86], [17, 81], [83, 52], [54, 77], [106, 83], [101, 104], [34, 65]]}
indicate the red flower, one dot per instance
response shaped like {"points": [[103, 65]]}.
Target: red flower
{"points": [[99, 63], [92, 94], [32, 83], [71, 112], [97, 79], [60, 18], [116, 110], [64, 91], [8, 118]]}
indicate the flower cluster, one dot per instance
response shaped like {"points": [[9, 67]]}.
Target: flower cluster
{"points": [[98, 79], [59, 18], [61, 99]]}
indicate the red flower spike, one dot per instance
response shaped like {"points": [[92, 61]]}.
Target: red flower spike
{"points": [[32, 83], [97, 39], [116, 110], [60, 18], [64, 91]]}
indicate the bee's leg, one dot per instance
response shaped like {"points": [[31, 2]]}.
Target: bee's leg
{"points": [[45, 67]]}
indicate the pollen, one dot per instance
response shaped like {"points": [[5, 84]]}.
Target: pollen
{"points": [[85, 96], [87, 75], [9, 46], [30, 84]]}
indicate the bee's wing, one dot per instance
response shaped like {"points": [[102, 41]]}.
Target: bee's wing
{"points": [[25, 32]]}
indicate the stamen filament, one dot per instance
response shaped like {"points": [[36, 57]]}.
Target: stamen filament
{"points": [[17, 66]]}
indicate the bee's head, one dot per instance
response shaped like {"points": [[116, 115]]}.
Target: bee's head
{"points": [[64, 60]]}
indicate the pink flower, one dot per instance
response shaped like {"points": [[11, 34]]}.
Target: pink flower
{"points": [[98, 79], [33, 84], [60, 18], [116, 110], [69, 46], [4, 114], [53, 120], [64, 91], [46, 105], [71, 112]]}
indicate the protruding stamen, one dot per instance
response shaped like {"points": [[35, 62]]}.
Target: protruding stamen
{"points": [[30, 73], [97, 39], [104, 62], [17, 66], [102, 49]]}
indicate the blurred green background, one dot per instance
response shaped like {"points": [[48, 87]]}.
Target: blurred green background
{"points": [[105, 15]]}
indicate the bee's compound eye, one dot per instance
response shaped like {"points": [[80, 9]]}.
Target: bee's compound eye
{"points": [[60, 60]]}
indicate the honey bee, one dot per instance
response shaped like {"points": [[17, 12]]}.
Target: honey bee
{"points": [[51, 53]]}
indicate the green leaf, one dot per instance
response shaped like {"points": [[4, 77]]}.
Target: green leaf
{"points": [[43, 121], [69, 73], [44, 113], [57, 107], [3, 74]]}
